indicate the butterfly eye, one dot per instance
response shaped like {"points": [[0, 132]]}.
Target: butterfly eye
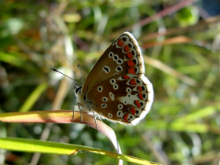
{"points": [[120, 106], [77, 90], [100, 88], [112, 81], [119, 113], [110, 55], [119, 69]]}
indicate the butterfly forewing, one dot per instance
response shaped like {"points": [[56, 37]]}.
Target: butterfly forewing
{"points": [[116, 88]]}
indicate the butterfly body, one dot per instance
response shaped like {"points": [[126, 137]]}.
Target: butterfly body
{"points": [[116, 88]]}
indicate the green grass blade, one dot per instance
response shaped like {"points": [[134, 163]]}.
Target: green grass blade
{"points": [[29, 145]]}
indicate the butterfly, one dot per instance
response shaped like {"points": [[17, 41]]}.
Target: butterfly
{"points": [[117, 89]]}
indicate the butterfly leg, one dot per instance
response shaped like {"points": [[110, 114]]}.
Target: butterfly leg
{"points": [[100, 118], [78, 104], [73, 112], [95, 120], [80, 111]]}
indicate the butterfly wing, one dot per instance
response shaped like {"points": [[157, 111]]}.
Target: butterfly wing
{"points": [[116, 87]]}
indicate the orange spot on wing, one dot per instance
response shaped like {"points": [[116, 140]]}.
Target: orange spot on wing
{"points": [[139, 88], [125, 77], [137, 103], [132, 71], [140, 96], [133, 82], [120, 43], [131, 63], [126, 48], [125, 117], [132, 110], [129, 55]]}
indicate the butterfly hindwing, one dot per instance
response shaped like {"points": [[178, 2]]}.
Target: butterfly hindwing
{"points": [[116, 88], [122, 100]]}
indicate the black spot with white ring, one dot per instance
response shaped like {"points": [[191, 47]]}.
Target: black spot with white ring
{"points": [[119, 68], [111, 54], [130, 118], [115, 86], [136, 69], [137, 112], [142, 104], [106, 69], [135, 61], [112, 81], [144, 96], [110, 115], [124, 38], [130, 45], [138, 81], [120, 106], [128, 90], [133, 52], [100, 89], [104, 99], [104, 105], [115, 57], [119, 61], [119, 113]]}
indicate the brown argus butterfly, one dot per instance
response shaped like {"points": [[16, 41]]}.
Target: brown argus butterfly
{"points": [[116, 88]]}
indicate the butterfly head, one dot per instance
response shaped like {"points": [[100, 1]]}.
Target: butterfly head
{"points": [[77, 89]]}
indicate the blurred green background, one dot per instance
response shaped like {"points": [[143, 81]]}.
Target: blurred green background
{"points": [[181, 42]]}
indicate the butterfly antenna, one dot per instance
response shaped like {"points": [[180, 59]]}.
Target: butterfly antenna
{"points": [[64, 75], [81, 73]]}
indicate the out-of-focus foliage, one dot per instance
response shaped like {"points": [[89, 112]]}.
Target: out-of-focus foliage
{"points": [[183, 125]]}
